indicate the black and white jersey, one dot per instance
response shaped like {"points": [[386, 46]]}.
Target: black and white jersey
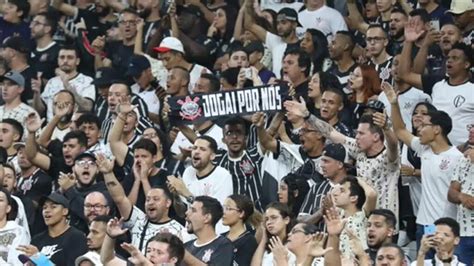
{"points": [[101, 107], [245, 171], [143, 123], [385, 70]]}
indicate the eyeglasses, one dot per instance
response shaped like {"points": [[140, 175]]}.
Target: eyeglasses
{"points": [[84, 163], [228, 209], [374, 39], [34, 23], [96, 206], [128, 22]]}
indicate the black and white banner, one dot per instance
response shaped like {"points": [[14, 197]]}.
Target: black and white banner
{"points": [[198, 107]]}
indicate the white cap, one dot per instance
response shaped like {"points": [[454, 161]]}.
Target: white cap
{"points": [[460, 6], [168, 44], [91, 256]]}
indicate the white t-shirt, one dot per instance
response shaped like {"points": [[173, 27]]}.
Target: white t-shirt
{"points": [[379, 173], [464, 175], [436, 173], [407, 101], [438, 262], [277, 46], [326, 19], [12, 235], [458, 102], [217, 184], [181, 141], [413, 182], [140, 225], [152, 101], [81, 83]]}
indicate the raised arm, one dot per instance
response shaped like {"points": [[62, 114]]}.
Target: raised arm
{"points": [[118, 148], [355, 17], [107, 252], [381, 120], [239, 27], [33, 123], [370, 196], [412, 33], [268, 142], [66, 9], [138, 47], [398, 125], [249, 24], [61, 109], [208, 14], [114, 187], [299, 109], [38, 103], [432, 37]]}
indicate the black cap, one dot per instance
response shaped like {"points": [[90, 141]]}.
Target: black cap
{"points": [[376, 105], [105, 76], [136, 65], [255, 46], [335, 151], [56, 198], [190, 9], [85, 155], [17, 43], [290, 14]]}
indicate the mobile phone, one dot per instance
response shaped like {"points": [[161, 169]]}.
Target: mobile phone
{"points": [[430, 229], [435, 25], [248, 73]]}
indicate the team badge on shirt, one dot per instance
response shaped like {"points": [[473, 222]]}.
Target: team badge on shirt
{"points": [[247, 167], [207, 255], [444, 164]]}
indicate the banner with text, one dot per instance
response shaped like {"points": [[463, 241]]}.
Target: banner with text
{"points": [[199, 107]]}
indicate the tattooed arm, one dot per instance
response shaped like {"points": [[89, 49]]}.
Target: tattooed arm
{"points": [[299, 109], [114, 187]]}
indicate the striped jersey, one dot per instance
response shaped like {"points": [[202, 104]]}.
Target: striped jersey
{"points": [[245, 171]]}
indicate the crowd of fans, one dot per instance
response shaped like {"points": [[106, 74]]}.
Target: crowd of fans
{"points": [[369, 162]]}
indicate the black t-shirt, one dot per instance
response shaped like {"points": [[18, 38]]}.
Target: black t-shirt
{"points": [[46, 60], [57, 165], [28, 73], [120, 55], [244, 248], [64, 249], [93, 25], [219, 252]]}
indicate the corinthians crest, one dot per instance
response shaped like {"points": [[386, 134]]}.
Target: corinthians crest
{"points": [[190, 109]]}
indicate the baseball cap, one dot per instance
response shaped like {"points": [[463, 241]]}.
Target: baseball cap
{"points": [[18, 145], [90, 256], [168, 44], [255, 46], [85, 155], [136, 65], [287, 13], [56, 198], [376, 105], [335, 151], [460, 6], [38, 259], [16, 77], [105, 76], [16, 43]]}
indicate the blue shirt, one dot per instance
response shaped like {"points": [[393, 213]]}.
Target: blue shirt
{"points": [[8, 29]]}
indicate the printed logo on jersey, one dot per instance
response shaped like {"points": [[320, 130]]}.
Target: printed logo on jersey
{"points": [[444, 164], [207, 255], [247, 167], [49, 251], [459, 100]]}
